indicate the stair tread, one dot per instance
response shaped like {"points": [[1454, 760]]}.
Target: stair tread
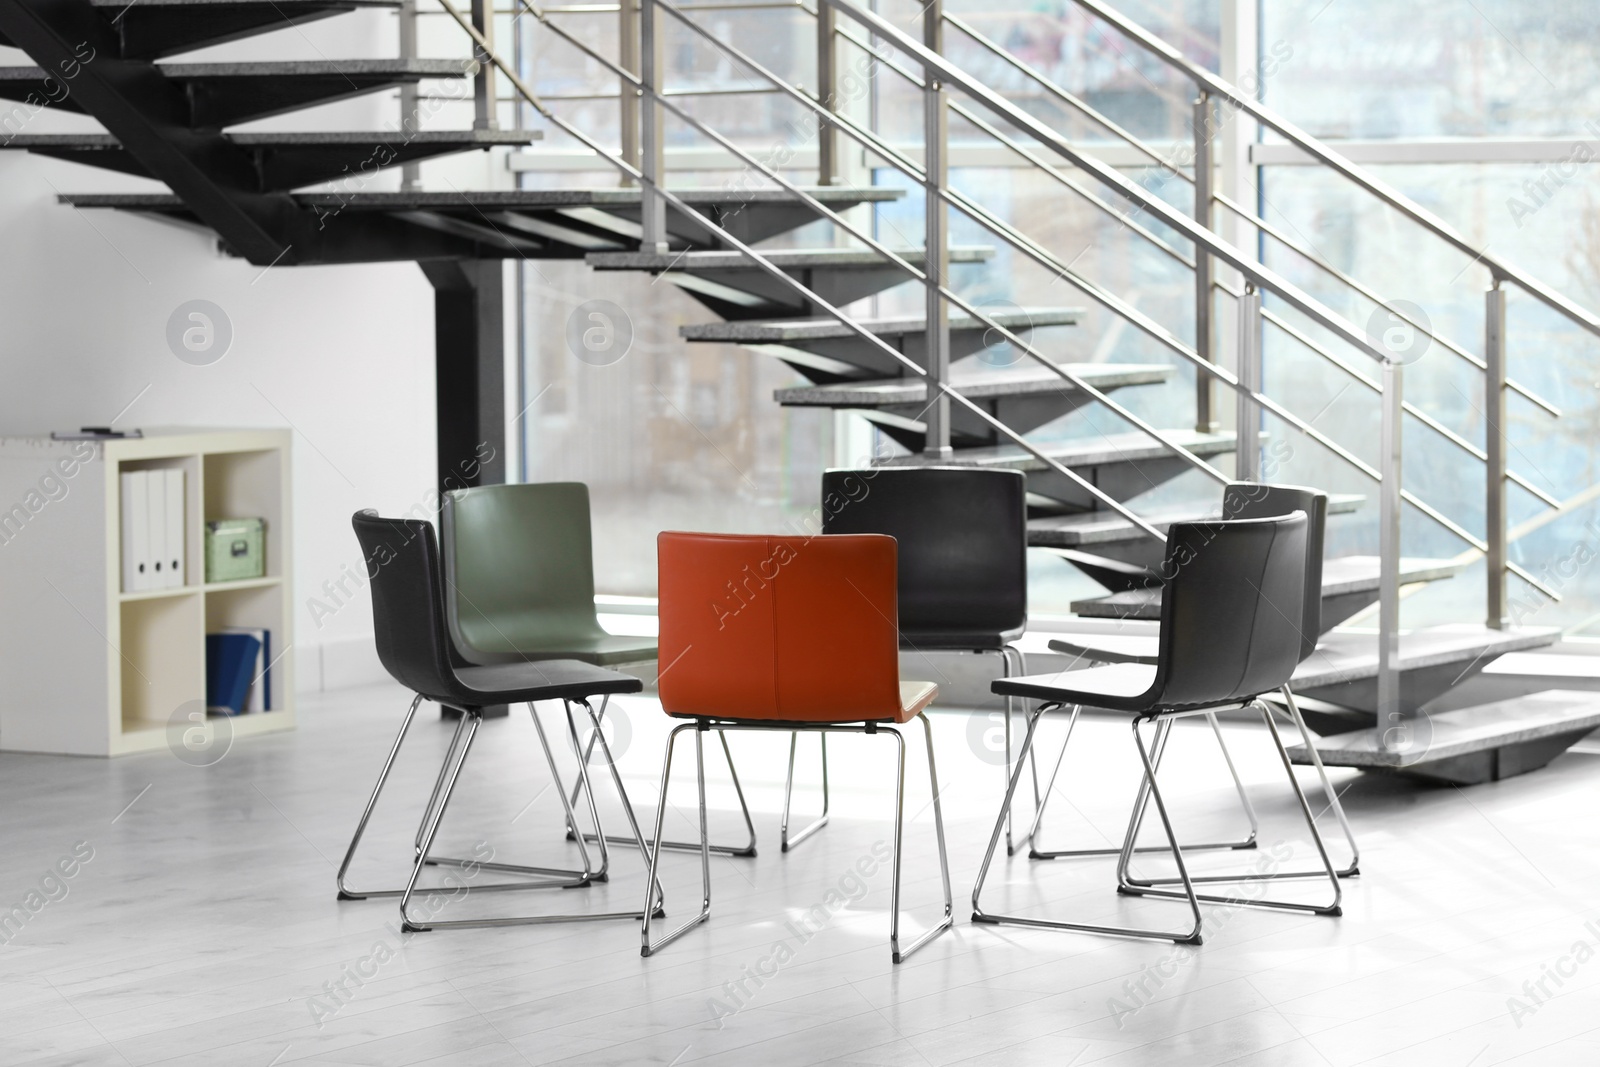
{"points": [[775, 331], [782, 257], [440, 68], [1350, 655], [1082, 452], [502, 199], [274, 140], [1102, 527], [974, 381], [1340, 575], [1550, 713]]}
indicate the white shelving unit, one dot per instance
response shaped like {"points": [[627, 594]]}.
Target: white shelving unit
{"points": [[86, 669]]}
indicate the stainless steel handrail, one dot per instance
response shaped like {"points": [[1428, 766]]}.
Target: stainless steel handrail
{"points": [[1325, 155], [916, 273], [1311, 256], [1016, 147], [1023, 244], [1253, 219], [1295, 333], [1263, 277], [1054, 90], [653, 188]]}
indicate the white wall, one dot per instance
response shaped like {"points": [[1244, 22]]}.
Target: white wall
{"points": [[343, 355]]}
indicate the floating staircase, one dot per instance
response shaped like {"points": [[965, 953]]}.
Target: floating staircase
{"points": [[173, 122]]}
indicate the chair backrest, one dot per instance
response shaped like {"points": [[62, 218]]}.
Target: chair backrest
{"points": [[797, 629], [962, 535], [1231, 609], [407, 613], [519, 566], [1254, 500]]}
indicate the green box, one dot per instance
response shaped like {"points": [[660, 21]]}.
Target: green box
{"points": [[235, 549]]}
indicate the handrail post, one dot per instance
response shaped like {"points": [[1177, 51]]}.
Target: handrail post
{"points": [[628, 94], [1494, 446], [484, 105], [827, 94], [652, 207], [1204, 421], [936, 136], [1394, 727], [410, 113], [1247, 440]]}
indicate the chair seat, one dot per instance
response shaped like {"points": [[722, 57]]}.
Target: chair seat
{"points": [[1119, 687], [959, 640], [554, 679], [914, 696], [603, 650]]}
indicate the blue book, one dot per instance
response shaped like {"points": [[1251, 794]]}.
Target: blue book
{"points": [[230, 666], [260, 696]]}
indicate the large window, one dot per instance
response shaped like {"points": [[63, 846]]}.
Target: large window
{"points": [[1498, 91]]}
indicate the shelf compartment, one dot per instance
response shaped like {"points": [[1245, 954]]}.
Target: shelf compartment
{"points": [[248, 485], [193, 565], [162, 653], [255, 605]]}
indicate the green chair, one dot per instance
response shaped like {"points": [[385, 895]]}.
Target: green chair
{"points": [[519, 587]]}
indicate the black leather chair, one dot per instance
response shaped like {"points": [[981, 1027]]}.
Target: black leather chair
{"points": [[1233, 593], [963, 567], [1240, 500], [414, 646]]}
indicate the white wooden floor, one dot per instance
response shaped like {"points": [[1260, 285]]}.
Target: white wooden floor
{"points": [[203, 928]]}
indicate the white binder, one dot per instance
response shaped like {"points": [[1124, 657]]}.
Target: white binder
{"points": [[173, 554], [135, 532], [156, 545]]}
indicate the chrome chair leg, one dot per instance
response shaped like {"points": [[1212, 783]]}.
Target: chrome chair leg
{"points": [[570, 879], [1144, 887], [655, 843], [345, 892], [1192, 937], [1249, 842], [938, 827], [438, 782], [627, 805], [1021, 668], [785, 842], [1353, 868], [745, 850], [410, 924]]}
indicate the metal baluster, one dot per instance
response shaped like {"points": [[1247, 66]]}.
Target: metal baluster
{"points": [[628, 94], [827, 95], [1248, 456], [936, 137], [1393, 722], [1204, 420], [651, 146], [1494, 445], [483, 90]]}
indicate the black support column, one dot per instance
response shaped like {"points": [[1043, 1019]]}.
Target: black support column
{"points": [[469, 376], [469, 370]]}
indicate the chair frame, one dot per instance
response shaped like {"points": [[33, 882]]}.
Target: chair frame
{"points": [[1150, 789], [433, 814], [701, 725], [785, 842], [1013, 665], [746, 850]]}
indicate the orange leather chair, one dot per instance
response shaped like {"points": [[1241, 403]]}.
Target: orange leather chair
{"points": [[786, 633]]}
